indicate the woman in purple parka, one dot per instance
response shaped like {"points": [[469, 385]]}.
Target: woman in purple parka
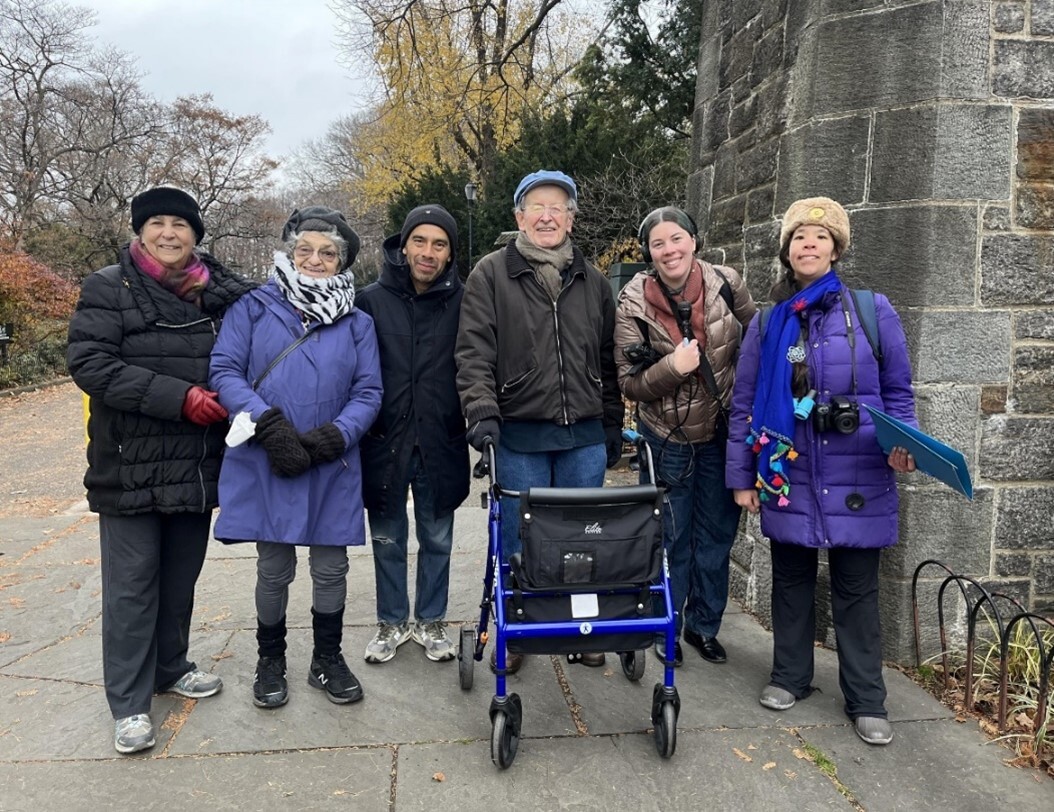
{"points": [[299, 361], [819, 478]]}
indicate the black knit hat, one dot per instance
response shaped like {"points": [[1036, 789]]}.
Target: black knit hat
{"points": [[432, 214], [321, 218], [162, 200]]}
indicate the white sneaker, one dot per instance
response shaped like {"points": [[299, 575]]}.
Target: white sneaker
{"points": [[133, 733], [386, 642], [437, 644], [196, 684]]}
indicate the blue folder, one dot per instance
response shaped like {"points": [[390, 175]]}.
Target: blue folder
{"points": [[931, 455]]}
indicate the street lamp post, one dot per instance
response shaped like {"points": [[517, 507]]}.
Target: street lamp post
{"points": [[470, 196]]}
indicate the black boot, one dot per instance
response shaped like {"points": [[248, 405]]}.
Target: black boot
{"points": [[270, 689], [329, 671]]}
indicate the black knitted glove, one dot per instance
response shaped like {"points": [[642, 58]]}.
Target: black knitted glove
{"points": [[613, 444], [324, 444], [486, 428], [279, 439]]}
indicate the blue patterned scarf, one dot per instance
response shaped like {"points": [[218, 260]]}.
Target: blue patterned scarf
{"points": [[772, 421]]}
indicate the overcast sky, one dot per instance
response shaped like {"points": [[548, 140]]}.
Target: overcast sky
{"points": [[273, 58]]}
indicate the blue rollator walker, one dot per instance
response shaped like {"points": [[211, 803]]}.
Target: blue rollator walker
{"points": [[592, 578]]}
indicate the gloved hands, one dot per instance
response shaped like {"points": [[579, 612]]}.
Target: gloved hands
{"points": [[201, 407], [613, 444], [323, 444], [487, 427], [280, 440]]}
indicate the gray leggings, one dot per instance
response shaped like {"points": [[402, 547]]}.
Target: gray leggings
{"points": [[276, 569]]}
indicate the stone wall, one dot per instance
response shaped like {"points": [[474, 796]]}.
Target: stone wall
{"points": [[933, 124]]}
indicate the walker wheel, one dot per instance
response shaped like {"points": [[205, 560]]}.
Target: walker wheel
{"points": [[504, 740], [632, 664], [466, 657], [666, 730]]}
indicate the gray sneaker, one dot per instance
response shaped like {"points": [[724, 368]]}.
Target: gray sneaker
{"points": [[873, 729], [385, 642], [775, 698], [196, 684], [133, 733], [438, 646]]}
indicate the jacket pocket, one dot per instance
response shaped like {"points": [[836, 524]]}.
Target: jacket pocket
{"points": [[517, 381]]}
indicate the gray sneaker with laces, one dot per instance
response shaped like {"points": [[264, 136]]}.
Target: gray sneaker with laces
{"points": [[385, 642], [437, 644], [776, 698], [133, 733], [196, 684]]}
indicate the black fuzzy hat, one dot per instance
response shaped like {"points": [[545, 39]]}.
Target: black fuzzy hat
{"points": [[432, 214], [321, 218], [162, 200]]}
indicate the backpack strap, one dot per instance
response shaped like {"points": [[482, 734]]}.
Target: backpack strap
{"points": [[725, 292], [645, 332], [864, 302]]}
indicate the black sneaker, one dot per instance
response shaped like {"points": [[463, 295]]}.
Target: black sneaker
{"points": [[330, 673], [270, 689]]}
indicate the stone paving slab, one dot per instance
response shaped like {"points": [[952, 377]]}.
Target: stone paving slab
{"points": [[619, 772], [358, 780], [940, 765], [395, 709]]}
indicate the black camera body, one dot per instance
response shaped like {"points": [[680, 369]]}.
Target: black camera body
{"points": [[642, 355], [841, 415]]}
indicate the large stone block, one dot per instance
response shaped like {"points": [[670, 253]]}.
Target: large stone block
{"points": [[1023, 69], [1035, 206], [768, 56], [1012, 565], [1034, 324], [936, 522], [950, 414], [1035, 144], [744, 11], [1018, 449], [706, 78], [761, 205], [1043, 574], [1033, 384], [725, 171], [851, 62], [726, 220], [757, 167], [742, 117], [943, 151], [964, 347], [824, 158], [736, 56], [1009, 18], [1016, 270], [1042, 18], [996, 218], [1022, 519], [771, 108], [924, 255], [759, 248]]}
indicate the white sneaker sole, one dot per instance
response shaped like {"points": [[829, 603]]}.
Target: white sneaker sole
{"points": [[376, 659], [125, 749]]}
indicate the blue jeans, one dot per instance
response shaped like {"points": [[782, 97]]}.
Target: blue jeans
{"points": [[700, 520], [568, 468], [390, 533]]}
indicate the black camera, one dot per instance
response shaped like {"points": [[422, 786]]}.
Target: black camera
{"points": [[841, 415], [642, 355]]}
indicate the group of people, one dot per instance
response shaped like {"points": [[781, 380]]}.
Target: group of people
{"points": [[301, 407]]}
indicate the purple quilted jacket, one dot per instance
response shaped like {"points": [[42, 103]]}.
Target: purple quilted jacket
{"points": [[831, 466]]}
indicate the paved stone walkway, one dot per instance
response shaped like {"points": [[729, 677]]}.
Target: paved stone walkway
{"points": [[417, 741]]}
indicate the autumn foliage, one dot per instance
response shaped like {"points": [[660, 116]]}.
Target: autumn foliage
{"points": [[31, 294]]}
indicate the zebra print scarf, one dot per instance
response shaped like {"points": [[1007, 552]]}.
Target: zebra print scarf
{"points": [[327, 299]]}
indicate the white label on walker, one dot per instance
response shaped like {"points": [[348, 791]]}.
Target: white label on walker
{"points": [[585, 605]]}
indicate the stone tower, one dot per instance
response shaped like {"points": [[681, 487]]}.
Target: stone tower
{"points": [[932, 122]]}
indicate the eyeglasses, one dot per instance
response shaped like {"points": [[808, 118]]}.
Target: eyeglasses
{"points": [[306, 252], [537, 209]]}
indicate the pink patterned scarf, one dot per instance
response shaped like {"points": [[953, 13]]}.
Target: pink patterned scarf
{"points": [[186, 283]]}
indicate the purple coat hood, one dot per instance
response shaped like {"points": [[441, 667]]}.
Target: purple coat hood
{"points": [[830, 466], [333, 377]]}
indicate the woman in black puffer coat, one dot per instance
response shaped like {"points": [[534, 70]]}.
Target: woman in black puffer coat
{"points": [[139, 347]]}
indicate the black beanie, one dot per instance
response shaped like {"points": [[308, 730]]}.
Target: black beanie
{"points": [[163, 200], [320, 218], [435, 215]]}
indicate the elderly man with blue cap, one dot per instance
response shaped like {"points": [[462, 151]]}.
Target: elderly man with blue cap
{"points": [[535, 356]]}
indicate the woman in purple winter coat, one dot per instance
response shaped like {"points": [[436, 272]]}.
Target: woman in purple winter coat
{"points": [[297, 367], [819, 478]]}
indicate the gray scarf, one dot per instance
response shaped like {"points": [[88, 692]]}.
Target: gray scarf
{"points": [[547, 262]]}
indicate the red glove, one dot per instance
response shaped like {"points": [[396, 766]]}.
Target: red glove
{"points": [[201, 407]]}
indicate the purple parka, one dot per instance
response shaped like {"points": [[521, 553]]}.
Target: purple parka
{"points": [[830, 466], [334, 376]]}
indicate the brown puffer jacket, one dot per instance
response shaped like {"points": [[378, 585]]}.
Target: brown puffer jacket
{"points": [[673, 405]]}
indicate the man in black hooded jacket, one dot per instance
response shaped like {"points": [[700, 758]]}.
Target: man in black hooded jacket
{"points": [[418, 442]]}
